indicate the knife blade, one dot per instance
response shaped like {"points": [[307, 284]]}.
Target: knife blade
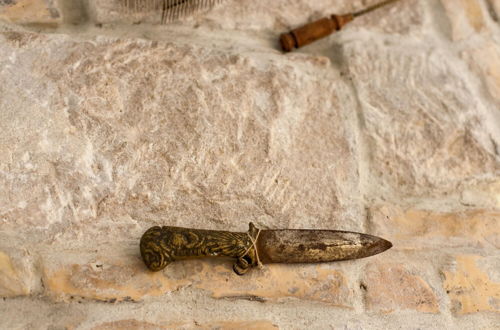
{"points": [[159, 246], [304, 246]]}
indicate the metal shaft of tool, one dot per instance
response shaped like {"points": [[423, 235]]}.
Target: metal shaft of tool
{"points": [[372, 8]]}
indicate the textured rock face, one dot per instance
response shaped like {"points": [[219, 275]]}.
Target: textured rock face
{"points": [[390, 127], [423, 140], [392, 286], [134, 324], [16, 274], [414, 228], [147, 131], [262, 15], [470, 288], [31, 11]]}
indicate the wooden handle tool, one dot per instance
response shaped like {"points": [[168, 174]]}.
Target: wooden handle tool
{"points": [[311, 32]]}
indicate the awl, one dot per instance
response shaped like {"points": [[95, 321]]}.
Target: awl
{"points": [[162, 245], [311, 32]]}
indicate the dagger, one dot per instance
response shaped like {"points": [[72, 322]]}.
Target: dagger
{"points": [[162, 245]]}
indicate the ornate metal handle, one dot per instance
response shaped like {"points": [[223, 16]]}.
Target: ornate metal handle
{"points": [[163, 245]]}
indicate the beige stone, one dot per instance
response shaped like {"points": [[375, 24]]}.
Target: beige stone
{"points": [[484, 194], [495, 6], [214, 141], [391, 287], [16, 274], [389, 127], [485, 60], [275, 16], [228, 325], [125, 278], [422, 141], [275, 282], [424, 229], [228, 15], [131, 324], [234, 325], [466, 17], [108, 279], [470, 287], [31, 12], [403, 17]]}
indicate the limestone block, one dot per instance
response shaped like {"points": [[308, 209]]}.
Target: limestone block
{"points": [[108, 137], [230, 14], [111, 278], [283, 15], [152, 133], [275, 16], [473, 284], [132, 324], [466, 17], [101, 138], [102, 11], [419, 229], [484, 59], [422, 140], [17, 274], [403, 17], [483, 195], [391, 287], [495, 5], [31, 11], [115, 278], [276, 282]]}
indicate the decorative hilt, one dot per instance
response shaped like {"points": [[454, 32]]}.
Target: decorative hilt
{"points": [[163, 245]]}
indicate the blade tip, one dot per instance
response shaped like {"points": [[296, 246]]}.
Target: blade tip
{"points": [[380, 246], [385, 245], [388, 244]]}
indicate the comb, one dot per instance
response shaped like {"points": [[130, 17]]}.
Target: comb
{"points": [[171, 10]]}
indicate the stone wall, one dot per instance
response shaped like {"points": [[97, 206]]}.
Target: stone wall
{"points": [[111, 123]]}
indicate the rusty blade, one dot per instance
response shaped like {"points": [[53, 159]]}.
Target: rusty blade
{"points": [[304, 246]]}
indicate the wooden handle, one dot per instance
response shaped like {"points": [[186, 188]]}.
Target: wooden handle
{"points": [[163, 245], [313, 31]]}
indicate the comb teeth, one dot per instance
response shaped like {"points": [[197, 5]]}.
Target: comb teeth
{"points": [[171, 10]]}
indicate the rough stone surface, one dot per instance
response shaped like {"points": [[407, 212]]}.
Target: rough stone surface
{"points": [[466, 17], [109, 279], [473, 288], [473, 23], [422, 228], [16, 273], [134, 324], [423, 140], [45, 12], [215, 136], [401, 18], [494, 8], [265, 15], [278, 282], [392, 287], [484, 59], [117, 278], [111, 123]]}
